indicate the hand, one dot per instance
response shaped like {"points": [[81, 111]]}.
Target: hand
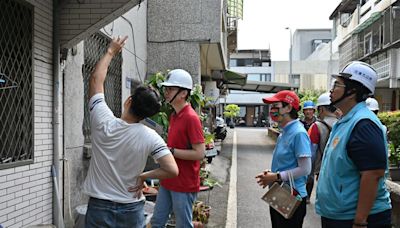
{"points": [[116, 45], [265, 178], [138, 188]]}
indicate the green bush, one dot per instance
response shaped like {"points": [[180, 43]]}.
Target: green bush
{"points": [[392, 122]]}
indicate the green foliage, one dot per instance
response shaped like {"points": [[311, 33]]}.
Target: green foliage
{"points": [[309, 95], [231, 110], [208, 137], [392, 122], [162, 118]]}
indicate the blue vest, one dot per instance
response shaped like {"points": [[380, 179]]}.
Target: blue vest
{"points": [[339, 180]]}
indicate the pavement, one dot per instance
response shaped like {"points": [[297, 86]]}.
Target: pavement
{"points": [[236, 202]]}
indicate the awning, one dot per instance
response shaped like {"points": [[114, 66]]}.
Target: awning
{"points": [[268, 87], [374, 17], [232, 77]]}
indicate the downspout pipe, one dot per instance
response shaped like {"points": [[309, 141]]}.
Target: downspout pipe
{"points": [[57, 212]]}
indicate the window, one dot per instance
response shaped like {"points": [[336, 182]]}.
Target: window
{"points": [[259, 77], [253, 77], [295, 79], [16, 91], [386, 28], [317, 42], [368, 44], [233, 62], [94, 48], [345, 19], [396, 23], [265, 77], [376, 36]]}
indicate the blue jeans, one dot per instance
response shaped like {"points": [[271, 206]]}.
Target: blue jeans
{"points": [[105, 213], [181, 204]]}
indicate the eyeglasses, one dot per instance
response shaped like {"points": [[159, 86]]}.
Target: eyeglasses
{"points": [[337, 84]]}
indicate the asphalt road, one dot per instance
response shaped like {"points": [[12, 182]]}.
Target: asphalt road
{"points": [[254, 153]]}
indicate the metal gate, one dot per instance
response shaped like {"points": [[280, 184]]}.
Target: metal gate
{"points": [[16, 84], [94, 47]]}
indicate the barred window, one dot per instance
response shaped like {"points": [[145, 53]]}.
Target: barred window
{"points": [[95, 46], [16, 84]]}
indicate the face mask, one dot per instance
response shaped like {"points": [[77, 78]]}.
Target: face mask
{"points": [[274, 114]]}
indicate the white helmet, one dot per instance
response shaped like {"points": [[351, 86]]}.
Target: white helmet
{"points": [[372, 104], [361, 72], [179, 78], [324, 99]]}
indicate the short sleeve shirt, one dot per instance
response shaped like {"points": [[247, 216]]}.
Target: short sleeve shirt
{"points": [[366, 147], [184, 130], [293, 143], [119, 153]]}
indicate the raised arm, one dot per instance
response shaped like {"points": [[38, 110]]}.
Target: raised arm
{"points": [[98, 76]]}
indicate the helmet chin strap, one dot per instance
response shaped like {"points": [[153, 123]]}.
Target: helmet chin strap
{"points": [[176, 94], [346, 94]]}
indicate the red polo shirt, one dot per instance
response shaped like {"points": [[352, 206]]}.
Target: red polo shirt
{"points": [[184, 130]]}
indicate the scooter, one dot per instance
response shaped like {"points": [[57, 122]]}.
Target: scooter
{"points": [[220, 132]]}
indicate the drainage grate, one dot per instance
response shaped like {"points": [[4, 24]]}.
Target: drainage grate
{"points": [[16, 92], [95, 46]]}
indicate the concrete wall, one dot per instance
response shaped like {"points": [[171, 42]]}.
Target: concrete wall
{"points": [[26, 191], [302, 38], [132, 24], [175, 31], [313, 74]]}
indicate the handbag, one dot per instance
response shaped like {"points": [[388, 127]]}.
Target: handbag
{"points": [[283, 197]]}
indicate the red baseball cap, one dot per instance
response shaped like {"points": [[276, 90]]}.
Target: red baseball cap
{"points": [[286, 96]]}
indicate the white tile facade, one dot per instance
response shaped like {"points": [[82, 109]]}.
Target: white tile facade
{"points": [[26, 191]]}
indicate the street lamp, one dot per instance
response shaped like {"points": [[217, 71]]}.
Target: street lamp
{"points": [[290, 54]]}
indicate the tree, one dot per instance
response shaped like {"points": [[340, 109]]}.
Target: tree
{"points": [[231, 111]]}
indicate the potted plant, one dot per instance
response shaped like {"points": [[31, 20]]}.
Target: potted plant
{"points": [[231, 111], [201, 213], [392, 122]]}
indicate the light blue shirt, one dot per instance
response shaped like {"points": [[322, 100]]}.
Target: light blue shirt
{"points": [[293, 143]]}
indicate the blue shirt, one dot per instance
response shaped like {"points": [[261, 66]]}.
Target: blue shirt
{"points": [[366, 147], [292, 144]]}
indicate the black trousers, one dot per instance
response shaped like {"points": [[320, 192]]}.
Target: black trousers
{"points": [[379, 220], [278, 221]]}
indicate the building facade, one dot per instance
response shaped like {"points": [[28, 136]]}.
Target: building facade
{"points": [[50, 49], [369, 31]]}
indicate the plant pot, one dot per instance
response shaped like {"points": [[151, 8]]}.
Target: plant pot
{"points": [[394, 173], [197, 224]]}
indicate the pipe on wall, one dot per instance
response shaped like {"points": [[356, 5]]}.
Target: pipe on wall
{"points": [[57, 213]]}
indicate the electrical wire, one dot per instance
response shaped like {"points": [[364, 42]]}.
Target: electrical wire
{"points": [[134, 47]]}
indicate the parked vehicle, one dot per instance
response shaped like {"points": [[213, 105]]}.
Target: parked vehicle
{"points": [[220, 130]]}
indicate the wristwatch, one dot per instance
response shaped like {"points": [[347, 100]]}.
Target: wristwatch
{"points": [[278, 176], [172, 150]]}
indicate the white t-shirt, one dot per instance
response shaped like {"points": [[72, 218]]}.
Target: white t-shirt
{"points": [[119, 153]]}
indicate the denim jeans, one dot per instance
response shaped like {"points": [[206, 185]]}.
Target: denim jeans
{"points": [[178, 202], [105, 213]]}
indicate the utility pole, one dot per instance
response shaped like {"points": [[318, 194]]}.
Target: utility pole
{"points": [[290, 54]]}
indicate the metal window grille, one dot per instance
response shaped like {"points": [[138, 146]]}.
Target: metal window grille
{"points": [[95, 46], [345, 53], [381, 63], [16, 92]]}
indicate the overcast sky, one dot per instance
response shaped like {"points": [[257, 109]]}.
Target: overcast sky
{"points": [[264, 22]]}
